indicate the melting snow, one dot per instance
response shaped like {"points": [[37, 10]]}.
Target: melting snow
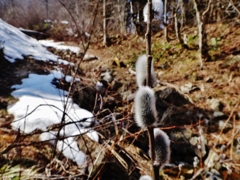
{"points": [[17, 45], [59, 45], [40, 103]]}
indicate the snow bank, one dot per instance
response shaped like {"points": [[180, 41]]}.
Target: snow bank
{"points": [[37, 91], [59, 45], [17, 45], [41, 104]]}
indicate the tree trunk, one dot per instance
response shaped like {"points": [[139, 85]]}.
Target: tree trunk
{"points": [[133, 28], [165, 22], [148, 43], [155, 168], [46, 4], [77, 11], [122, 17], [182, 10], [202, 44], [177, 29], [104, 24]]}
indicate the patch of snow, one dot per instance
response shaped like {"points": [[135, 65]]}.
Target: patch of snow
{"points": [[93, 135], [41, 104], [87, 34], [47, 20], [59, 45], [48, 136], [70, 31], [89, 57], [70, 78], [64, 62], [64, 22], [17, 45], [68, 147], [36, 94]]}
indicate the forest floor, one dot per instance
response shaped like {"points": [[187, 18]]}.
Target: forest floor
{"points": [[213, 102]]}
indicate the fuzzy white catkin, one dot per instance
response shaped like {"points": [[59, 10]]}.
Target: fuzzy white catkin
{"points": [[141, 71], [145, 108], [145, 177], [157, 8], [162, 147]]}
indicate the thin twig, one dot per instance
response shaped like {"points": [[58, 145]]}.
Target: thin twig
{"points": [[234, 7], [155, 168], [234, 128], [148, 44], [230, 116]]}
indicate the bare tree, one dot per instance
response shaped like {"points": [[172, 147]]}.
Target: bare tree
{"points": [[202, 44], [176, 22], [148, 42], [165, 21], [155, 168], [121, 5], [104, 24], [46, 4], [132, 18]]}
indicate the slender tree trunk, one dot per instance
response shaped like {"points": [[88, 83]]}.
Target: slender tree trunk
{"points": [[122, 17], [77, 9], [148, 44], [155, 168], [138, 13], [177, 29], [119, 17], [46, 4], [182, 9], [202, 44], [200, 34], [176, 25], [133, 28], [165, 22], [12, 9], [104, 24]]}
